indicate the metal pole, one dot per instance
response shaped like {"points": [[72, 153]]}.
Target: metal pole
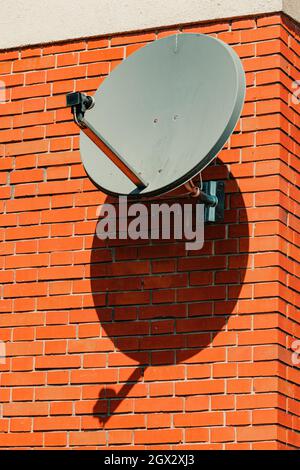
{"points": [[112, 154], [208, 199]]}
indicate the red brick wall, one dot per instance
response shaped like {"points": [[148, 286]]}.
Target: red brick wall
{"points": [[138, 343]]}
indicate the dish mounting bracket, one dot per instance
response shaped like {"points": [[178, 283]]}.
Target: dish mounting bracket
{"points": [[212, 195]]}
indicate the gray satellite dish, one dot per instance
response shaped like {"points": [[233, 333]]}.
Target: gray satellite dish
{"points": [[161, 116]]}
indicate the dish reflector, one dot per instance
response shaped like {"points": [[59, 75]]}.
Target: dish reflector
{"points": [[167, 110]]}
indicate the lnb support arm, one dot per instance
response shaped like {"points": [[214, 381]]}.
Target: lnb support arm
{"points": [[79, 104]]}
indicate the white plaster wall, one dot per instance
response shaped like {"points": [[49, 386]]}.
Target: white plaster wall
{"points": [[292, 8], [28, 22]]}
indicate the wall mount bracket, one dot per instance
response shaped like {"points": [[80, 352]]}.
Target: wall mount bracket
{"points": [[212, 196]]}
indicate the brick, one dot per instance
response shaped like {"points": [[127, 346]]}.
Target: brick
{"points": [[197, 435], [33, 104], [8, 55], [25, 409], [57, 439], [201, 387], [59, 158], [120, 437], [67, 59], [56, 188], [5, 122], [12, 81], [8, 109], [25, 148], [257, 433], [90, 345], [5, 67], [102, 55], [222, 435], [63, 129], [31, 91], [66, 73], [57, 362], [10, 136], [261, 34], [199, 419], [60, 272], [25, 175], [268, 20], [22, 364], [58, 393], [56, 423], [243, 24], [63, 215], [98, 43], [21, 439], [25, 261], [197, 403], [21, 379], [94, 376], [35, 77], [61, 408], [158, 436], [24, 290], [34, 64], [98, 69], [158, 405], [31, 52], [87, 438], [62, 48], [23, 334], [231, 37], [201, 294], [20, 424], [54, 332], [32, 119], [63, 86], [60, 377]]}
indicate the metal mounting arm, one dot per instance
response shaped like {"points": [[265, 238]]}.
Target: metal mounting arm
{"points": [[80, 103], [212, 196]]}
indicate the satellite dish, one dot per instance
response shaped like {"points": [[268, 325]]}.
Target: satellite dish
{"points": [[161, 116]]}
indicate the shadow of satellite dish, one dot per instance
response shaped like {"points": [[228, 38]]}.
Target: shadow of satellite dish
{"points": [[156, 122], [194, 323]]}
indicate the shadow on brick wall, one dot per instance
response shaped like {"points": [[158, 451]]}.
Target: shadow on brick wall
{"points": [[160, 305]]}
